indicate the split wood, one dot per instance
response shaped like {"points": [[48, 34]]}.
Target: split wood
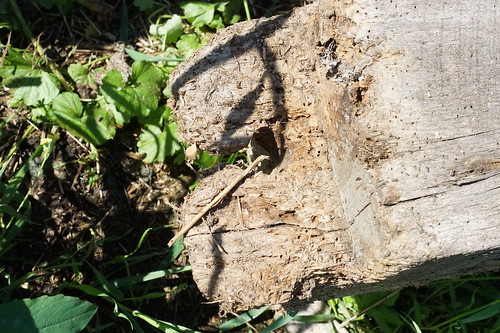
{"points": [[217, 199]]}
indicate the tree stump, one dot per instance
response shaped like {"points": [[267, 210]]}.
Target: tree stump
{"points": [[382, 121]]}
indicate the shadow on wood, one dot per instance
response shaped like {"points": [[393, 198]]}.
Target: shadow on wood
{"points": [[385, 118]]}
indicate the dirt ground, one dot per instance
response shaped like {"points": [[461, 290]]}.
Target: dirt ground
{"points": [[88, 208], [108, 204]]}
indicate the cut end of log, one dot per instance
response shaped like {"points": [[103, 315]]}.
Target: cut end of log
{"points": [[383, 137]]}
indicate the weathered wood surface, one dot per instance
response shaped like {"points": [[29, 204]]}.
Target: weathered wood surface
{"points": [[383, 120]]}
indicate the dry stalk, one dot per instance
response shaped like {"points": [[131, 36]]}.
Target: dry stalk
{"points": [[217, 199]]}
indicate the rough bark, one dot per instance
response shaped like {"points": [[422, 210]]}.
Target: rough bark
{"points": [[383, 122]]}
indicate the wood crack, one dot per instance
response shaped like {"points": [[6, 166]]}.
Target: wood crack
{"points": [[476, 179], [468, 135]]}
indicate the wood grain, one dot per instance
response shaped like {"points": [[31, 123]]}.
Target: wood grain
{"points": [[386, 115]]}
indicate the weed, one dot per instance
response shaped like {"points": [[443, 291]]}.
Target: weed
{"points": [[34, 82], [464, 305]]}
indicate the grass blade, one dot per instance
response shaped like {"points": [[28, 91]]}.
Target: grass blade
{"points": [[131, 280], [489, 312], [162, 325], [156, 294], [106, 285], [280, 322], [124, 23], [495, 306], [242, 319], [10, 193], [137, 56], [172, 254], [319, 318], [138, 246], [14, 183]]}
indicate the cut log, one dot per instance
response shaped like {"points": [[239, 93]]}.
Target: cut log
{"points": [[382, 119]]}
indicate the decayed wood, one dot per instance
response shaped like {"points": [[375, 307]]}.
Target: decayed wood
{"points": [[217, 198], [383, 120]]}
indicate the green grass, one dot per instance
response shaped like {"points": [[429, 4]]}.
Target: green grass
{"points": [[469, 304]]}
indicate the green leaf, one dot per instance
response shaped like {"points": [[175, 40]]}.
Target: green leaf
{"points": [[15, 66], [158, 143], [160, 294], [20, 219], [170, 31], [99, 125], [386, 318], [145, 101], [217, 23], [318, 318], [188, 44], [35, 88], [230, 10], [206, 160], [109, 287], [158, 116], [144, 72], [172, 52], [198, 13], [172, 253], [89, 290], [46, 314], [112, 84], [13, 103], [80, 74], [132, 280], [120, 118], [113, 78], [366, 300], [180, 159], [16, 58], [144, 5], [117, 306], [68, 104], [133, 101], [139, 244], [234, 156], [10, 191], [95, 125], [124, 24], [10, 198]]}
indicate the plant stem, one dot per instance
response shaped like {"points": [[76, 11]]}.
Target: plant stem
{"points": [[247, 10], [26, 30]]}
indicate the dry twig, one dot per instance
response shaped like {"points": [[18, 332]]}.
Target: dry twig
{"points": [[217, 199]]}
